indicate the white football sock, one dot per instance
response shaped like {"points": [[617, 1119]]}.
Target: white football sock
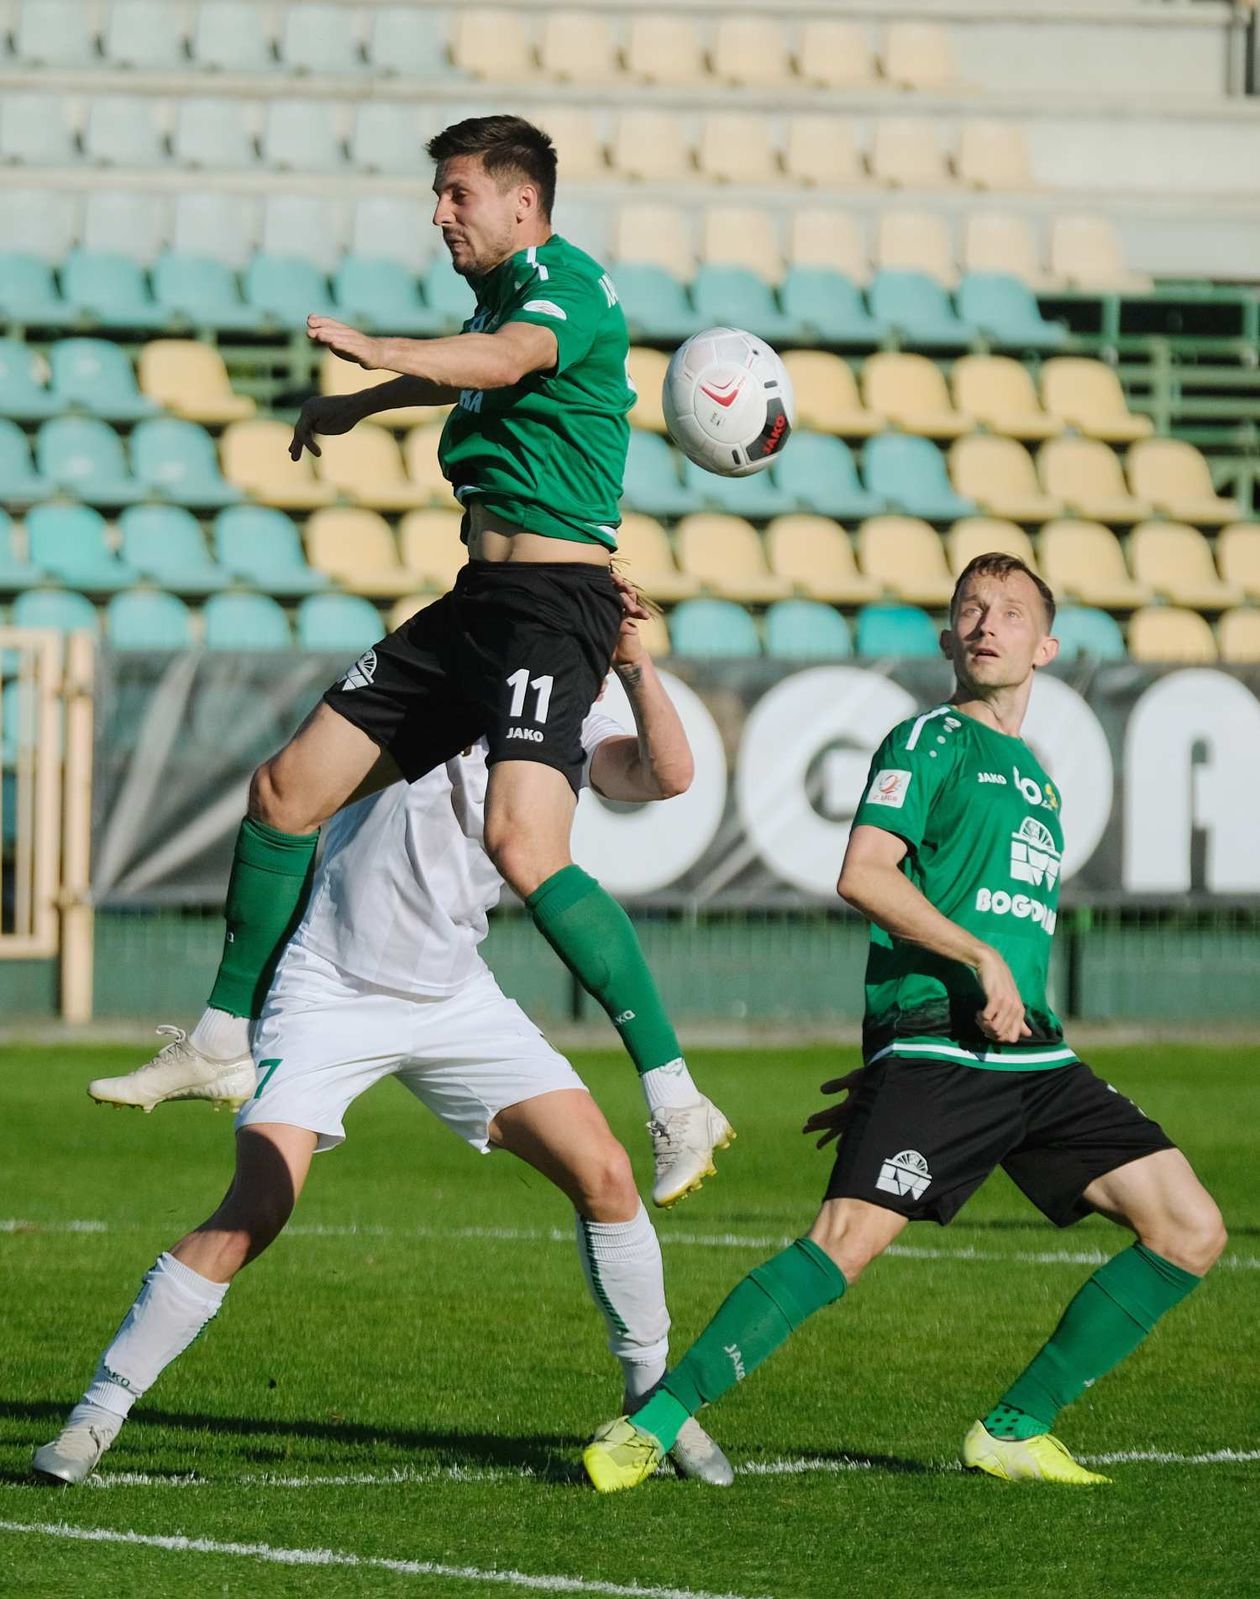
{"points": [[219, 1035], [621, 1261], [171, 1308], [669, 1087]]}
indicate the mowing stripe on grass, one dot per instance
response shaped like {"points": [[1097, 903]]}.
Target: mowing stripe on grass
{"points": [[178, 1544]]}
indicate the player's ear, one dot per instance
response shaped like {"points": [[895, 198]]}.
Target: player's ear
{"points": [[1046, 651], [946, 641]]}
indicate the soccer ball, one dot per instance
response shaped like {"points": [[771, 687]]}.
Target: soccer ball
{"points": [[728, 402]]}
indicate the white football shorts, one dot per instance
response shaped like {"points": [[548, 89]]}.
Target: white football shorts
{"points": [[325, 1037]]}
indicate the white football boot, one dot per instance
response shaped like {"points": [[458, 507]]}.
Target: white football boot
{"points": [[179, 1071], [71, 1457], [683, 1141], [695, 1455]]}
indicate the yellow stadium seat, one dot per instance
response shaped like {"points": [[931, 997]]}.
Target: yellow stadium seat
{"points": [[725, 554], [189, 378], [916, 241], [256, 458], [905, 154], [1086, 253], [577, 47], [917, 55], [650, 145], [654, 634], [822, 151], [357, 548], [1166, 633], [751, 51], [343, 377], [1238, 635], [1088, 396], [647, 373], [643, 545], [431, 548], [742, 236], [1083, 561], [737, 147], [999, 393], [910, 391], [1085, 474], [998, 474], [664, 49], [999, 241], [993, 155], [818, 238], [579, 147], [1174, 477], [827, 398], [983, 535], [905, 556], [491, 44], [1176, 560], [420, 454], [833, 54], [657, 235], [1238, 551], [365, 465], [404, 609], [814, 554]]}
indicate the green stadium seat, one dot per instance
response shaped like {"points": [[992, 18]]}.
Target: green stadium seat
{"points": [[1006, 312], [409, 41], [287, 288], [1085, 630], [387, 138], [319, 37], [338, 622], [305, 227], [16, 572], [918, 308], [122, 131], [732, 296], [23, 395], [232, 36], [244, 622], [223, 227], [58, 609], [178, 460], [19, 484], [757, 496], [829, 307], [95, 375], [655, 303], [896, 630], [822, 476], [713, 629], [147, 34], [806, 630], [165, 543], [127, 223], [214, 133], [386, 228], [84, 456], [55, 33], [381, 294], [72, 542], [301, 136], [204, 293], [261, 544], [447, 294], [909, 474], [36, 130], [652, 483], [41, 222], [146, 619], [28, 292], [110, 289]]}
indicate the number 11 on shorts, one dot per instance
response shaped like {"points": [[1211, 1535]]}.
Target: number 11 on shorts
{"points": [[520, 683]]}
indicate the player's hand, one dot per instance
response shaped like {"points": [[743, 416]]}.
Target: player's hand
{"points": [[632, 602], [832, 1120], [1002, 1018], [325, 413], [629, 649], [347, 342]]}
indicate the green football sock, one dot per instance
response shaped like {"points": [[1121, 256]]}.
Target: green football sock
{"points": [[271, 877], [759, 1314], [1106, 1321], [596, 940]]}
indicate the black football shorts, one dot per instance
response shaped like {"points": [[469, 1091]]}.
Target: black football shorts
{"points": [[515, 653]]}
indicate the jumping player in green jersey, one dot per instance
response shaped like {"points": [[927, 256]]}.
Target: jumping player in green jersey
{"points": [[535, 450], [955, 858]]}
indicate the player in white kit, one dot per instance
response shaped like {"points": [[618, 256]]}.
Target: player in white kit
{"points": [[384, 978]]}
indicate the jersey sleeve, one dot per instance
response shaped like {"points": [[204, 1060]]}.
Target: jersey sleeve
{"points": [[570, 303], [906, 774], [597, 727]]}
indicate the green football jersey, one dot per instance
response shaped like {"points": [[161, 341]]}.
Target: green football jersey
{"points": [[982, 822], [549, 453]]}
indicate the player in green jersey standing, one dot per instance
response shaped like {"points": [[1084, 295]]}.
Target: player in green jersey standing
{"points": [[955, 859]]}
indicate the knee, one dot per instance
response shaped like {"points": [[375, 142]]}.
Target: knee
{"points": [[605, 1186], [1194, 1240], [838, 1238]]}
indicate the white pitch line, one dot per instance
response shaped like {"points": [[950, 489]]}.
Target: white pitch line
{"points": [[178, 1544]]}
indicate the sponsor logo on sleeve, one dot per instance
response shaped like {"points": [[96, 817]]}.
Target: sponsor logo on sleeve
{"points": [[546, 308], [889, 787]]}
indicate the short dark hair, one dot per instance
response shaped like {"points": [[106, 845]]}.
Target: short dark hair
{"points": [[509, 147], [996, 564]]}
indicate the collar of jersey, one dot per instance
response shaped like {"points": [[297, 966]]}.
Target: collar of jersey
{"points": [[494, 278]]}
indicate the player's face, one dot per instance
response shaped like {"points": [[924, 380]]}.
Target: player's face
{"points": [[998, 633], [478, 219]]}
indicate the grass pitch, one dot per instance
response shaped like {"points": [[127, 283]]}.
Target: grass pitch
{"points": [[404, 1381]]}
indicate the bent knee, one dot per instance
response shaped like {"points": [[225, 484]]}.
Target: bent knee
{"points": [[845, 1246], [1195, 1242], [605, 1186]]}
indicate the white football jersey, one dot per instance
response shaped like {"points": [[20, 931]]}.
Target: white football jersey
{"points": [[402, 895]]}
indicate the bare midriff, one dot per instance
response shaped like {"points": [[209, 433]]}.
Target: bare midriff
{"points": [[493, 538]]}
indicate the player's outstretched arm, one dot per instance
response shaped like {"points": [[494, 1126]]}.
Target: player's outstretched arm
{"points": [[872, 882], [465, 361], [657, 764], [338, 413]]}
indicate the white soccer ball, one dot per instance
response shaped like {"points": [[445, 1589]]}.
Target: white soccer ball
{"points": [[728, 402]]}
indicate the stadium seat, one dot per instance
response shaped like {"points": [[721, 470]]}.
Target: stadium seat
{"points": [[41, 222], [999, 475], [905, 557], [177, 459], [1085, 630], [998, 392], [491, 44], [57, 609], [303, 136], [825, 305], [124, 131], [338, 622], [1175, 561], [821, 150], [647, 374], [145, 34], [218, 227], [408, 41], [19, 483], [256, 459], [1001, 244], [146, 619], [1088, 396], [1086, 253], [644, 545], [37, 130], [664, 49], [732, 296], [710, 629], [915, 241], [28, 294], [757, 496], [344, 377], [654, 636], [806, 630], [232, 36], [109, 289], [979, 535], [910, 391], [742, 237], [1168, 634], [822, 477], [84, 456], [189, 378], [381, 294], [23, 383], [652, 483], [305, 227], [95, 376], [386, 138], [402, 610], [130, 224], [751, 51], [261, 545], [1084, 561], [55, 33], [884, 630], [909, 475], [431, 548], [164, 543], [287, 289], [577, 47], [830, 240], [580, 152], [993, 155], [827, 398], [365, 466], [724, 553], [204, 293], [736, 147], [1238, 551], [655, 235], [917, 55], [218, 135], [242, 622], [918, 309], [649, 146], [390, 229], [320, 38], [835, 54], [420, 455], [72, 542], [1238, 637], [1174, 477], [905, 155], [446, 295], [1086, 476], [815, 556], [16, 572], [1006, 312]]}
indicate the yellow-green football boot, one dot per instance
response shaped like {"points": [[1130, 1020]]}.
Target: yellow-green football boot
{"points": [[621, 1455], [1039, 1459]]}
